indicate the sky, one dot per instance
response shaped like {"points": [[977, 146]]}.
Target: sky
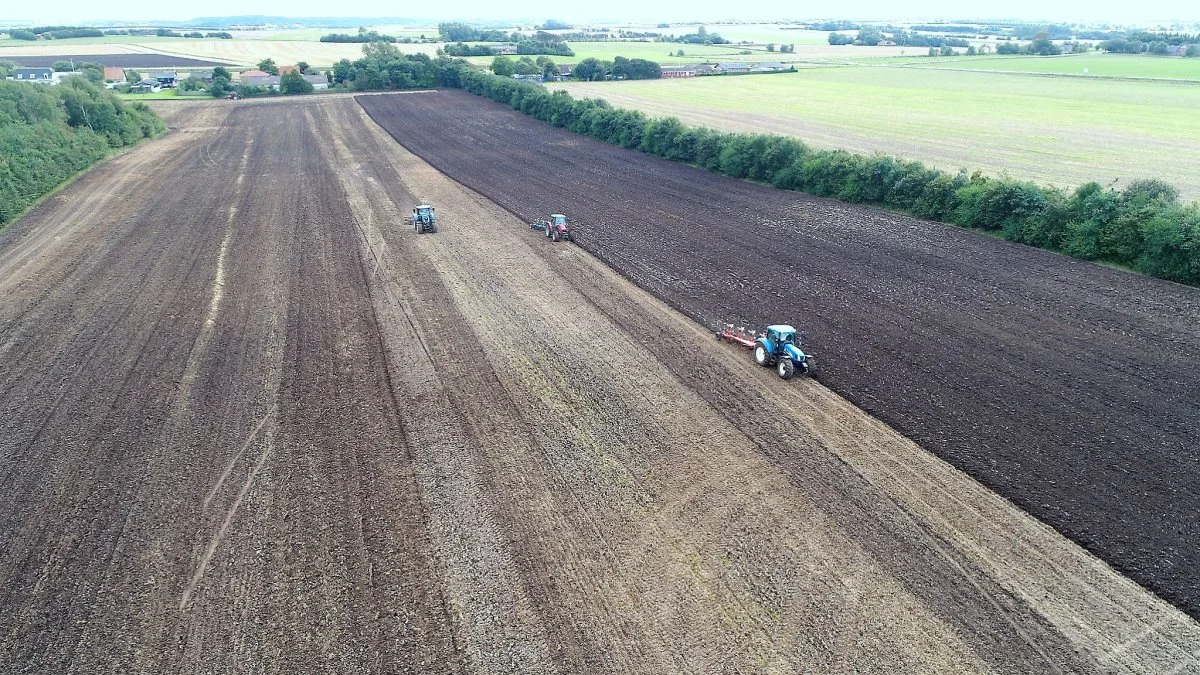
{"points": [[1089, 11]]}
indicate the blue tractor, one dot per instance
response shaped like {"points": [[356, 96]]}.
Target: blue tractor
{"points": [[779, 347]]}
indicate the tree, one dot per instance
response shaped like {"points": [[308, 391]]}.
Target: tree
{"points": [[679, 52], [1192, 51], [1042, 45], [343, 71], [840, 39], [7, 68], [221, 71], [971, 51], [293, 82], [304, 67], [947, 50], [770, 46], [504, 66], [220, 87], [526, 66], [268, 66], [62, 66], [554, 24], [590, 70], [869, 37], [132, 76]]}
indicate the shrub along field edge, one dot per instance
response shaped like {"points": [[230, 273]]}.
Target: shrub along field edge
{"points": [[49, 135], [1143, 226]]}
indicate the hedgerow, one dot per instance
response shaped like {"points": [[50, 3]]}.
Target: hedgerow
{"points": [[49, 133]]}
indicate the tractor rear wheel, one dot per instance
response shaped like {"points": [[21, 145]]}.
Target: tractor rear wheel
{"points": [[785, 368], [760, 355], [433, 228]]}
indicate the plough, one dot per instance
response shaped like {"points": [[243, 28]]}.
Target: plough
{"points": [[779, 346]]}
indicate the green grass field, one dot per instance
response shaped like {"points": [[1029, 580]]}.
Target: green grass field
{"points": [[1085, 65], [1058, 131], [659, 52]]}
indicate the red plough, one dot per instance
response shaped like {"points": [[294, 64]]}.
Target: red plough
{"points": [[740, 335]]}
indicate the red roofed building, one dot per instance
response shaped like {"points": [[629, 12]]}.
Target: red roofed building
{"points": [[114, 74], [283, 70]]}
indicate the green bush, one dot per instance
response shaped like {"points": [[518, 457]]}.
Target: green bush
{"points": [[47, 134]]}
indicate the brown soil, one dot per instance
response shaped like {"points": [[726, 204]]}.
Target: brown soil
{"points": [[1070, 388], [251, 422]]}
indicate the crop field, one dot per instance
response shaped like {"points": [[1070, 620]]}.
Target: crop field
{"points": [[1084, 65], [1055, 131], [264, 426]]}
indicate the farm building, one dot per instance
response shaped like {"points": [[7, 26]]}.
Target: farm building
{"points": [[115, 75], [146, 86], [264, 80], [252, 73], [503, 49], [201, 75], [733, 68], [284, 70], [318, 82], [769, 67], [678, 71], [41, 75], [165, 78]]}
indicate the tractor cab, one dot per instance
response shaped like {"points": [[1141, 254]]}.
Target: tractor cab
{"points": [[781, 335], [424, 211], [558, 219]]}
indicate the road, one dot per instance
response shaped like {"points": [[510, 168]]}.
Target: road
{"points": [[251, 423]]}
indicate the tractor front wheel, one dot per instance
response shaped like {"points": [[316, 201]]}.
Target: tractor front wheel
{"points": [[433, 228], [785, 368]]}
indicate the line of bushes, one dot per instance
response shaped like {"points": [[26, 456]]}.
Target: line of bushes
{"points": [[1143, 226], [48, 134]]}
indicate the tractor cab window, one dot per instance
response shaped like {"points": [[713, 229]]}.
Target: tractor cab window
{"points": [[786, 338], [560, 220]]}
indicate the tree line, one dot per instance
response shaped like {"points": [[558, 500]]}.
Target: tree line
{"points": [[67, 32], [1143, 226], [48, 134], [363, 35]]}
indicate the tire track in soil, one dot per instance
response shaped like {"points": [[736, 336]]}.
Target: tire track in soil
{"points": [[1063, 385], [1051, 592], [325, 563], [510, 316]]}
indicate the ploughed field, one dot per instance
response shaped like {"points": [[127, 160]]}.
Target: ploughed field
{"points": [[249, 422], [1070, 388]]}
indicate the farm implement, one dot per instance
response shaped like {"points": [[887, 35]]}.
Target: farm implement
{"points": [[778, 347]]}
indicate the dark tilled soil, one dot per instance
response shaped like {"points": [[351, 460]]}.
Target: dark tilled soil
{"points": [[114, 60], [1070, 388]]}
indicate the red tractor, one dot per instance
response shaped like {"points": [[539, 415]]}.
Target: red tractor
{"points": [[556, 228]]}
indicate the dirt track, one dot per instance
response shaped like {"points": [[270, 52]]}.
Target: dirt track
{"points": [[1070, 388], [250, 423]]}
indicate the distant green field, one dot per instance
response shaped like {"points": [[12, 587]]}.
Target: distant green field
{"points": [[1058, 131], [659, 52], [764, 33], [1092, 65]]}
